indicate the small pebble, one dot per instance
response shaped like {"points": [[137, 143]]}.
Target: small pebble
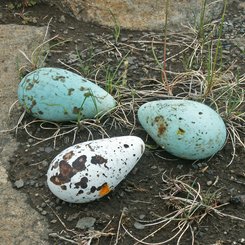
{"points": [[138, 226], [142, 216], [62, 19], [19, 183], [209, 183], [85, 223], [53, 221], [48, 149], [72, 217], [43, 205], [45, 163]]}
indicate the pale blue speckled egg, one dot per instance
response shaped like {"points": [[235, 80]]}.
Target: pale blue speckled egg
{"points": [[56, 94], [186, 129]]}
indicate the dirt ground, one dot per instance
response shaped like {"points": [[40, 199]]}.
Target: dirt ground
{"points": [[139, 196]]}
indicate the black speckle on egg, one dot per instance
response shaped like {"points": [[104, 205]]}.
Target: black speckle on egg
{"points": [[126, 146], [55, 165], [82, 183], [79, 192], [93, 189], [70, 91], [59, 78]]}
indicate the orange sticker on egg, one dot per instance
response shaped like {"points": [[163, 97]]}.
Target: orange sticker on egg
{"points": [[105, 189]]}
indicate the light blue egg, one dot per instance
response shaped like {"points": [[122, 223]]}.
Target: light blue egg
{"points": [[56, 94], [186, 129]]}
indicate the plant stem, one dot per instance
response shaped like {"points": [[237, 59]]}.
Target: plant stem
{"points": [[218, 51], [201, 24], [164, 76]]}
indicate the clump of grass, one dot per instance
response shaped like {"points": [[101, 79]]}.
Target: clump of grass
{"points": [[39, 55], [85, 66], [22, 4], [117, 27], [191, 205], [112, 80], [218, 54]]}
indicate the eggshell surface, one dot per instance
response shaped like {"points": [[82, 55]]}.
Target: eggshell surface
{"points": [[56, 94], [90, 170], [186, 129]]}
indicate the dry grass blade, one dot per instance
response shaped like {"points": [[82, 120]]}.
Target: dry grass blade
{"points": [[191, 205]]}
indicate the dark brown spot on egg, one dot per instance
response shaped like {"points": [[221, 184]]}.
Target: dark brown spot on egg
{"points": [[33, 103], [79, 163], [181, 131], [82, 183], [56, 180], [59, 78], [161, 125], [65, 175], [70, 91], [68, 155], [29, 86], [63, 187], [76, 110], [97, 159], [65, 169], [126, 146]]}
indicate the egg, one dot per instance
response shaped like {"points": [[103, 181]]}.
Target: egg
{"points": [[186, 129], [90, 170], [55, 94]]}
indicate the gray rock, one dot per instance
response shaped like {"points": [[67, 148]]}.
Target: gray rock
{"points": [[72, 217], [62, 19], [19, 183], [85, 223], [139, 226], [48, 149], [140, 14], [20, 224], [142, 216]]}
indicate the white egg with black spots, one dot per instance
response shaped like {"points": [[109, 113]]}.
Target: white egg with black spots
{"points": [[90, 170], [184, 128]]}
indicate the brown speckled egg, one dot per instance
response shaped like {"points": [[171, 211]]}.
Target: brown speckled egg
{"points": [[90, 170]]}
